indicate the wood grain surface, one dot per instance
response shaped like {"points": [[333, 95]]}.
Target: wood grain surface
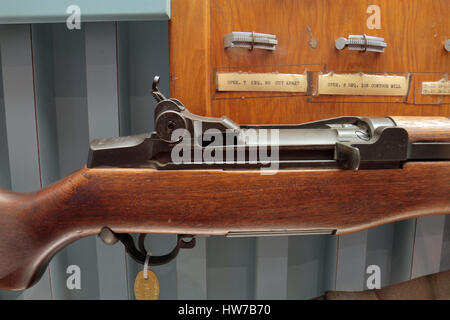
{"points": [[415, 31], [34, 226], [425, 129], [189, 58]]}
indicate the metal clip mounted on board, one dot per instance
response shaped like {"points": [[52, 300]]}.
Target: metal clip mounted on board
{"points": [[361, 43], [251, 40]]}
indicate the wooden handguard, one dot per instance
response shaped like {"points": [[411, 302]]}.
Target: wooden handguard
{"points": [[425, 129], [34, 226]]}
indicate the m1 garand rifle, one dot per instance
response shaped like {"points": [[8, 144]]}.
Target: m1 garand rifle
{"points": [[201, 176]]}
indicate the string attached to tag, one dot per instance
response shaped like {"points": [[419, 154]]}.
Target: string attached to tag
{"points": [[146, 285], [146, 265]]}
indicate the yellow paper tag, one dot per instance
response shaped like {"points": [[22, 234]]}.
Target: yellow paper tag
{"points": [[244, 81], [441, 87], [360, 84], [146, 289]]}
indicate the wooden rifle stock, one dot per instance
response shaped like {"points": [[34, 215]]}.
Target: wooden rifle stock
{"points": [[34, 226]]}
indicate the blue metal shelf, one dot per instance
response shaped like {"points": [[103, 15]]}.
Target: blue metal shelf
{"points": [[49, 11]]}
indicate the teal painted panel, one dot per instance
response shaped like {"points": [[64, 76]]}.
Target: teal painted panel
{"points": [[32, 11]]}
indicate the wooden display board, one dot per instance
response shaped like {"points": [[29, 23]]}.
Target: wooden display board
{"points": [[415, 32]]}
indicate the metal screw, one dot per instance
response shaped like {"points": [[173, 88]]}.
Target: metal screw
{"points": [[341, 43], [447, 45], [108, 236]]}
